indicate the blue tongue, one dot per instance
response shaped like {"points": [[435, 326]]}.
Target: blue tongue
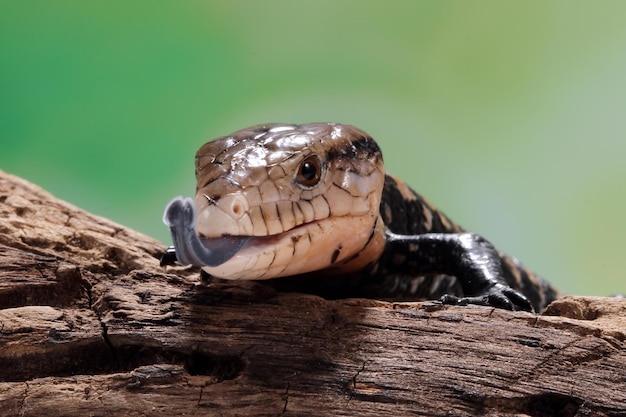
{"points": [[180, 217]]}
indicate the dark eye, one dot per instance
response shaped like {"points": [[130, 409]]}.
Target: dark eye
{"points": [[309, 172]]}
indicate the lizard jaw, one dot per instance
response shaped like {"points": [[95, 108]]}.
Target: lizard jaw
{"points": [[305, 248]]}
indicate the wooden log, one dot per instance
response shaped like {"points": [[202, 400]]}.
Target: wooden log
{"points": [[91, 325]]}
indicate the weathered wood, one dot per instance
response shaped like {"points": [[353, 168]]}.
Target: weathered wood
{"points": [[91, 325]]}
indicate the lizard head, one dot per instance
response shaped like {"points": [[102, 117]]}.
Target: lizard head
{"points": [[289, 199]]}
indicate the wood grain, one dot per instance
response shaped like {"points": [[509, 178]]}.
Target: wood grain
{"points": [[91, 325]]}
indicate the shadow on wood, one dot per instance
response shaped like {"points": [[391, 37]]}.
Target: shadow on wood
{"points": [[91, 325]]}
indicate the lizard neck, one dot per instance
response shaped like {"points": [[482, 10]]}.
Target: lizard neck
{"points": [[369, 255]]}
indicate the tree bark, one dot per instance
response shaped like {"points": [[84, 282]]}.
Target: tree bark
{"points": [[90, 325]]}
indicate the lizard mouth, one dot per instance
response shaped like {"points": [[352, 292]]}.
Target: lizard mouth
{"points": [[192, 249], [311, 246]]}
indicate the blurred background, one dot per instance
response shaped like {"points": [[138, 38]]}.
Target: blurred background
{"points": [[510, 116]]}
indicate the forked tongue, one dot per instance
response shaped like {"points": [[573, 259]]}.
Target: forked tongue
{"points": [[180, 217]]}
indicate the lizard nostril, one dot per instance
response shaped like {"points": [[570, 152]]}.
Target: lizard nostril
{"points": [[234, 205]]}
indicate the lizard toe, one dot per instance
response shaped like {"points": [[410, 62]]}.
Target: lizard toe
{"points": [[499, 296]]}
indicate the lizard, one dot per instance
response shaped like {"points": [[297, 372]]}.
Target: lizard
{"points": [[313, 202]]}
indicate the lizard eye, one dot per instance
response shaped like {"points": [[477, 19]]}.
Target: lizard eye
{"points": [[309, 172]]}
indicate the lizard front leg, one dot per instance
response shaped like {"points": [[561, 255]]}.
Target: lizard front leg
{"points": [[467, 256]]}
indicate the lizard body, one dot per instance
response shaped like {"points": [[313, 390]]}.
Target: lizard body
{"points": [[314, 201]]}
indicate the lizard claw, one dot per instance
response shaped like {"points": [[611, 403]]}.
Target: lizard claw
{"points": [[168, 257], [500, 296]]}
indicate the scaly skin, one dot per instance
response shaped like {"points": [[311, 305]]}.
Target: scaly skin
{"points": [[283, 200]]}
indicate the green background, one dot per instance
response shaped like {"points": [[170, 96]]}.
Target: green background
{"points": [[510, 116]]}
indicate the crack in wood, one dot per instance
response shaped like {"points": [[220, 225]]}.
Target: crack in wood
{"points": [[22, 404], [285, 398]]}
